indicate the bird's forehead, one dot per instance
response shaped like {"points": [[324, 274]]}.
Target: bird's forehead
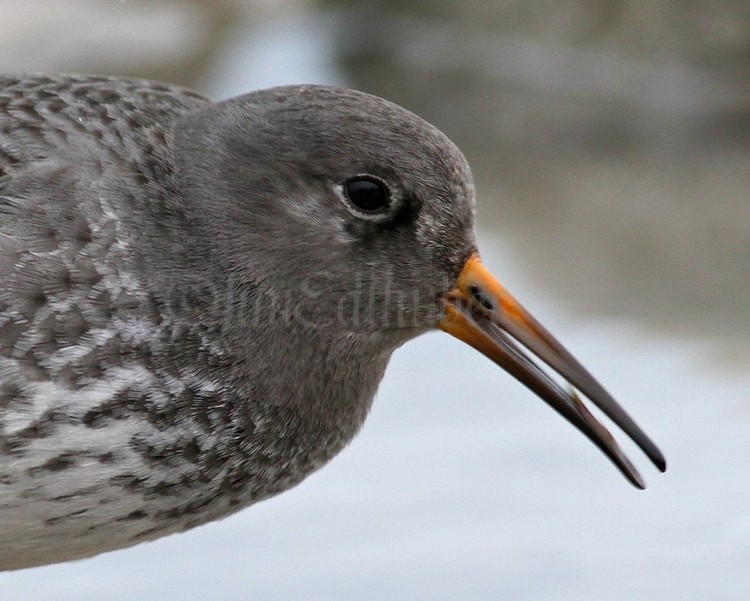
{"points": [[347, 129]]}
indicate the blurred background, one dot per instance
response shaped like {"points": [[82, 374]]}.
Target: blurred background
{"points": [[610, 142]]}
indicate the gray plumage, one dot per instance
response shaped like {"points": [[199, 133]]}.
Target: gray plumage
{"points": [[192, 316]]}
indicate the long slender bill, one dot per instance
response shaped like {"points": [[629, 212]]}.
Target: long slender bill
{"points": [[480, 312]]}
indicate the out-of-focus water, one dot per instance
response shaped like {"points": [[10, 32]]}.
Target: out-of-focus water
{"points": [[463, 485]]}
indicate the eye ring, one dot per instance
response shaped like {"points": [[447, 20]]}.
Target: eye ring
{"points": [[367, 194]]}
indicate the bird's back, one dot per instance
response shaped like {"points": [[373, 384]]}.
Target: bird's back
{"points": [[77, 156]]}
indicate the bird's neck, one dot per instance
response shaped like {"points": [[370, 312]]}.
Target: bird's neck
{"points": [[284, 396]]}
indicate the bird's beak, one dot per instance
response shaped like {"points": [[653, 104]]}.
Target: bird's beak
{"points": [[480, 312]]}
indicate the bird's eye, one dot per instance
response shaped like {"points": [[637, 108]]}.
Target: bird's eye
{"points": [[367, 194]]}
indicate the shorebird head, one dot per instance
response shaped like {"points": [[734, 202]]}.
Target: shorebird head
{"points": [[359, 215]]}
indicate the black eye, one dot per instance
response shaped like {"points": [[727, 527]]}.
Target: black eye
{"points": [[367, 194]]}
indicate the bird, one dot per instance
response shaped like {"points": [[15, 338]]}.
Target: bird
{"points": [[198, 299]]}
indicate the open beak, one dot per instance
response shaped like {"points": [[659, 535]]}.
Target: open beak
{"points": [[480, 312]]}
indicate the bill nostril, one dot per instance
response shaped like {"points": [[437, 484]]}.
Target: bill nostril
{"points": [[481, 297]]}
